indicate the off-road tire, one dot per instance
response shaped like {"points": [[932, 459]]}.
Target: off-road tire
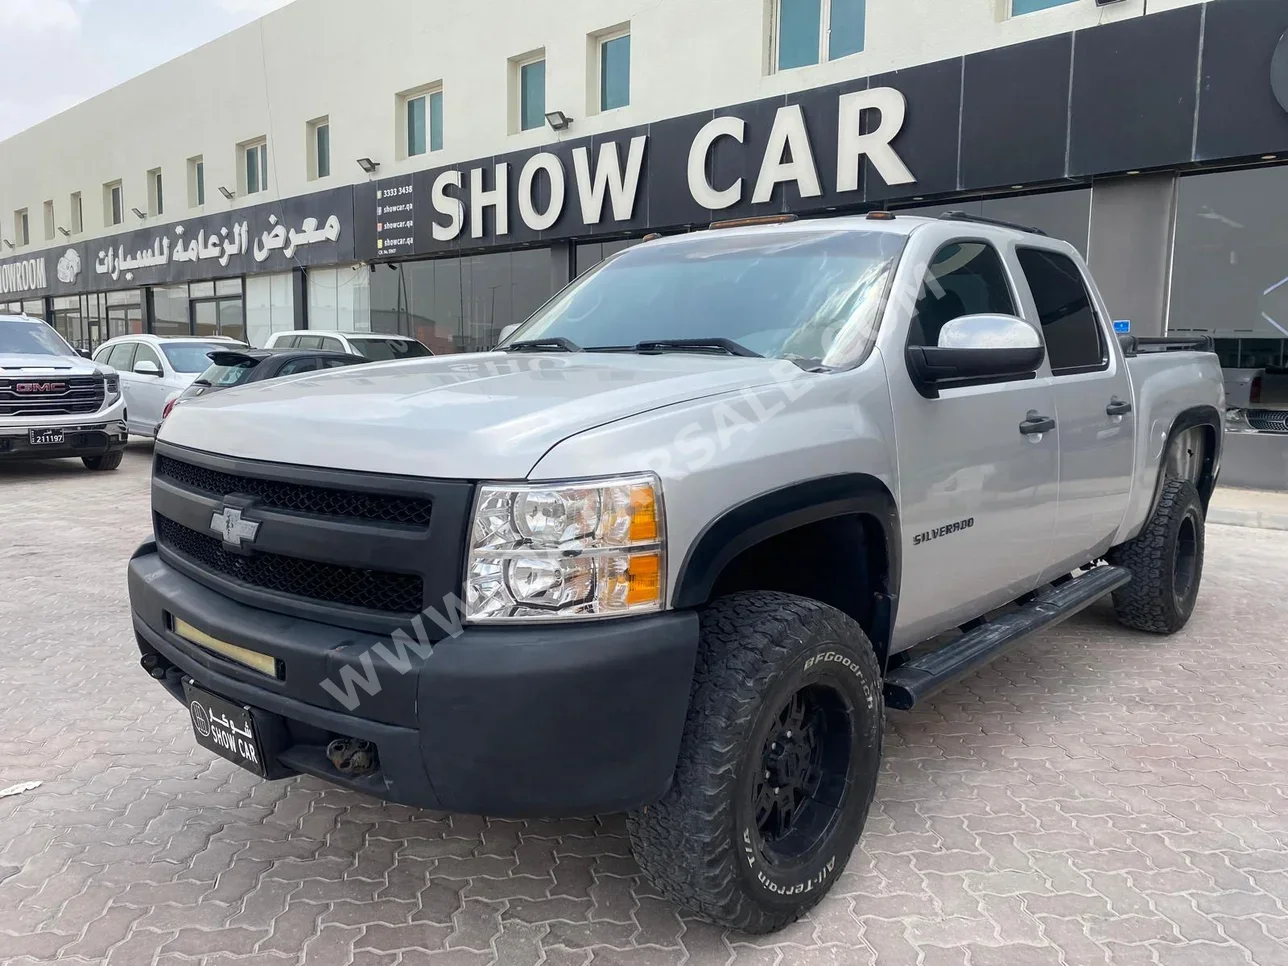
{"points": [[1162, 593], [107, 461], [758, 650]]}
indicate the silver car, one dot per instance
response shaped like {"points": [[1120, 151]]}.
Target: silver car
{"points": [[153, 368]]}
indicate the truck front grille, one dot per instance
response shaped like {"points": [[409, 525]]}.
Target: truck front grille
{"points": [[1268, 420], [51, 396], [317, 501], [372, 590]]}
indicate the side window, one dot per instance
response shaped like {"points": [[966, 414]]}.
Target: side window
{"points": [[101, 355], [964, 278], [146, 354], [121, 358], [1074, 340], [332, 345], [298, 365], [308, 342]]}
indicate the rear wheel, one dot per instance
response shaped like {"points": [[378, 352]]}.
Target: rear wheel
{"points": [[1166, 563], [777, 767], [107, 461]]}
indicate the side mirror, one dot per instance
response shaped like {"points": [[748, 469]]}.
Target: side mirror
{"points": [[977, 348], [85, 353], [146, 368], [507, 331]]}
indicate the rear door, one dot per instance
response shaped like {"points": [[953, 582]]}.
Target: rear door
{"points": [[150, 392], [121, 358], [976, 492], [1093, 403]]}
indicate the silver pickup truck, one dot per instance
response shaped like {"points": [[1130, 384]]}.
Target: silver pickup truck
{"points": [[674, 546], [53, 403]]}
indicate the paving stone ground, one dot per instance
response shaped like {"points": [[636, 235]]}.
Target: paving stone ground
{"points": [[1097, 796]]}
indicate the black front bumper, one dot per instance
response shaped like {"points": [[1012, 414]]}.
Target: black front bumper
{"points": [[515, 722], [78, 443]]}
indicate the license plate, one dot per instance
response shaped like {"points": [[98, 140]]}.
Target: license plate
{"points": [[47, 437], [225, 728]]}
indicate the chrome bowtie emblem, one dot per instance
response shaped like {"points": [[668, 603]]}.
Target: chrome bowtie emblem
{"points": [[233, 529]]}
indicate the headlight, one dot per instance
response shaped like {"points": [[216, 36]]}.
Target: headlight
{"points": [[112, 385], [547, 551]]}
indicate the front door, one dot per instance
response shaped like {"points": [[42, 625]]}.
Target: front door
{"points": [[976, 491], [1094, 408]]}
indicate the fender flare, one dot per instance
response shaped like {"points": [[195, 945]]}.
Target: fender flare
{"points": [[770, 514], [1187, 419]]}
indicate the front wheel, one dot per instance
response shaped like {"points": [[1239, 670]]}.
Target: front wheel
{"points": [[1166, 563], [107, 461], [777, 767]]}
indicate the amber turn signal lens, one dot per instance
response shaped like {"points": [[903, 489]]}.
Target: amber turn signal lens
{"points": [[645, 576], [643, 515]]}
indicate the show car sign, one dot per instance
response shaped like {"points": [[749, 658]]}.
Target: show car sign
{"points": [[820, 151], [310, 230]]}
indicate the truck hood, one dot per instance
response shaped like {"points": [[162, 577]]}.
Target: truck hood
{"points": [[12, 364], [481, 416]]}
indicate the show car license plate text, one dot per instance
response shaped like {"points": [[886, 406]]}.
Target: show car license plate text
{"points": [[47, 437], [225, 728]]}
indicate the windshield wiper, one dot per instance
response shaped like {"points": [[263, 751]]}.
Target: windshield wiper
{"points": [[553, 344], [727, 346], [203, 382]]}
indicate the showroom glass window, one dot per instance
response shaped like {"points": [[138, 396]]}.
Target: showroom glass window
{"points": [[812, 31], [1229, 275], [458, 304], [614, 72], [532, 95]]}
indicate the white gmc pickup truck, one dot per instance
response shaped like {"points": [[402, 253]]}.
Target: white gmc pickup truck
{"points": [[53, 403], [675, 546]]}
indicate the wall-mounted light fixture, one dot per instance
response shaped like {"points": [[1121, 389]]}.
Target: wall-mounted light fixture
{"points": [[367, 165], [558, 120], [226, 193], [8, 244], [138, 214], [64, 232]]}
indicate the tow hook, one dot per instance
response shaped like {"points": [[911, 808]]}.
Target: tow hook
{"points": [[156, 666], [352, 756]]}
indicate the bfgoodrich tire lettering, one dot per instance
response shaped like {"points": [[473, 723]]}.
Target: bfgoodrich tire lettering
{"points": [[1166, 563], [786, 696]]}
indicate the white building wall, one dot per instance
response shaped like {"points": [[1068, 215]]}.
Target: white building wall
{"points": [[348, 59]]}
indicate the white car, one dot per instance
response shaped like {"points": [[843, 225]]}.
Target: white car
{"points": [[373, 346], [153, 368]]}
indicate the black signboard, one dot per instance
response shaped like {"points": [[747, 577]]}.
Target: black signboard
{"points": [[395, 217], [314, 229]]}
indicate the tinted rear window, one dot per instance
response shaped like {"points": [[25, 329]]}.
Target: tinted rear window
{"points": [[385, 350], [221, 377], [191, 356]]}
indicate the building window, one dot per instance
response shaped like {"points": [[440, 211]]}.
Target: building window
{"points": [[319, 148], [21, 227], [530, 90], [113, 204], [1019, 7], [50, 227], [810, 31], [196, 182], [78, 213], [422, 120], [614, 70], [254, 167], [156, 193]]}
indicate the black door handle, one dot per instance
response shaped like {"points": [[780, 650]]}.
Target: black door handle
{"points": [[1117, 407], [1034, 424]]}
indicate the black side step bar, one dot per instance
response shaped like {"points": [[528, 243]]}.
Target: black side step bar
{"points": [[924, 675]]}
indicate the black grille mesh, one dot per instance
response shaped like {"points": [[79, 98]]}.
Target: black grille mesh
{"points": [[368, 589], [313, 500], [1268, 420]]}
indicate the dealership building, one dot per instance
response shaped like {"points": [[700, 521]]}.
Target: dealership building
{"points": [[442, 168]]}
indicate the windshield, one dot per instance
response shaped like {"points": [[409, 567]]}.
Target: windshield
{"points": [[191, 356], [221, 377], [32, 338], [385, 350], [805, 296]]}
